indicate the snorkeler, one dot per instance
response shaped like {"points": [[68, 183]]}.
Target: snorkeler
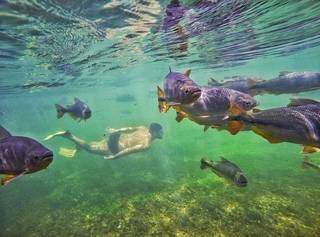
{"points": [[118, 142]]}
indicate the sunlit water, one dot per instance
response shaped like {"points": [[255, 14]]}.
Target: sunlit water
{"points": [[113, 54]]}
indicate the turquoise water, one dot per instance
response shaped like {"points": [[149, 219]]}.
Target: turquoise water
{"points": [[86, 46]]}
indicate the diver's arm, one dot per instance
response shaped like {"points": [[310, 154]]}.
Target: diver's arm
{"points": [[127, 151]]}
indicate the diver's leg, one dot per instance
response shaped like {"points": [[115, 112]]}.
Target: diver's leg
{"points": [[99, 147], [79, 142]]}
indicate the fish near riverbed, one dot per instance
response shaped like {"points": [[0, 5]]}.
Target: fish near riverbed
{"points": [[289, 82], [21, 155], [226, 169], [297, 123], [79, 110]]}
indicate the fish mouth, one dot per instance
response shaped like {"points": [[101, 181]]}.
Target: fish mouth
{"points": [[241, 180], [47, 158]]}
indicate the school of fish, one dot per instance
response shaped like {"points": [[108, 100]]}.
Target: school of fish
{"points": [[229, 105]]}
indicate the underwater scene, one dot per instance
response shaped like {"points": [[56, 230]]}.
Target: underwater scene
{"points": [[159, 118]]}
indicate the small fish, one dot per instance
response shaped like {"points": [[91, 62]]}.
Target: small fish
{"points": [[225, 169], [79, 110], [298, 123], [289, 82], [21, 155]]}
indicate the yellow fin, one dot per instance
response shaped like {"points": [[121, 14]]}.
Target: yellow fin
{"points": [[6, 179], [162, 104], [310, 149], [234, 127], [66, 152], [180, 116], [265, 135], [187, 73]]}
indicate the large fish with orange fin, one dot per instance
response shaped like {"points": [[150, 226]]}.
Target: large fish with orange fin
{"points": [[208, 106], [298, 123], [21, 155]]}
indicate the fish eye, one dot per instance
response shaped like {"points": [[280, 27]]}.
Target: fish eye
{"points": [[186, 91]]}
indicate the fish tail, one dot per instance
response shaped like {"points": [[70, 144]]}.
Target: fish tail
{"points": [[203, 164], [60, 110]]}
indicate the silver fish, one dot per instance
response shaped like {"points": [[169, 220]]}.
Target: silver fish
{"points": [[243, 84], [289, 82]]}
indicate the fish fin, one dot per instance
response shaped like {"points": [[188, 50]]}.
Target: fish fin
{"points": [[223, 159], [77, 100], [74, 117], [265, 135], [283, 73], [294, 102], [187, 73], [203, 164], [180, 116], [206, 128], [234, 127], [60, 110], [66, 152], [8, 178], [235, 110], [4, 133], [309, 149], [160, 92], [162, 104], [213, 82]]}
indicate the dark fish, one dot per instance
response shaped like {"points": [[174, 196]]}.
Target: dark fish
{"points": [[79, 110], [289, 82], [225, 169], [239, 83], [21, 155], [298, 123]]}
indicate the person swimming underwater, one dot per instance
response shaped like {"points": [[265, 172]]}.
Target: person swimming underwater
{"points": [[118, 142]]}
